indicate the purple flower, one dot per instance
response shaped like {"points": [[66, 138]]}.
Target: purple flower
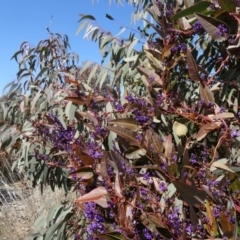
{"points": [[139, 137], [197, 26], [151, 79], [174, 49], [234, 134], [162, 186], [193, 158], [183, 47], [143, 191], [174, 220], [147, 234], [222, 30]]}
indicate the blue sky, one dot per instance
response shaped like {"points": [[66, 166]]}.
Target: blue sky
{"points": [[27, 20]]}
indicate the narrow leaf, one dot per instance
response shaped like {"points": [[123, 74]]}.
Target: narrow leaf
{"points": [[205, 129], [128, 135], [129, 123], [199, 7], [76, 100], [205, 93], [95, 195], [83, 16], [192, 67], [168, 145], [109, 17]]}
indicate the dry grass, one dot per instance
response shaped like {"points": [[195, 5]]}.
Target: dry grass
{"points": [[21, 205]]}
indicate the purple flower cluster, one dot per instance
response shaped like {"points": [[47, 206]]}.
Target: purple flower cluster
{"points": [[95, 218], [198, 28], [182, 47], [222, 30], [94, 149], [175, 222], [140, 117]]}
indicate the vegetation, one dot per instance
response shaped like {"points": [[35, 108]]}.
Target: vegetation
{"points": [[149, 141]]}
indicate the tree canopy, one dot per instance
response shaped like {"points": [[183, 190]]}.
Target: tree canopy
{"points": [[149, 140]]}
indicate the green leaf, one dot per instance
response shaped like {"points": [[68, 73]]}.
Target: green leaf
{"points": [[211, 26], [131, 46], [83, 16], [53, 212], [199, 7], [53, 229], [227, 5], [129, 123], [128, 135], [81, 27], [190, 194], [70, 111], [109, 17]]}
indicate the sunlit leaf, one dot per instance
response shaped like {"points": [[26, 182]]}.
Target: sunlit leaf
{"points": [[180, 129], [135, 153], [129, 123], [211, 225], [199, 7], [168, 146], [205, 129], [97, 195]]}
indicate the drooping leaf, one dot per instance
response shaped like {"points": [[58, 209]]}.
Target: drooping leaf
{"points": [[84, 16], [192, 67], [155, 140], [129, 123], [198, 7], [226, 226], [211, 26], [205, 129], [211, 225], [97, 195], [135, 153], [190, 194], [222, 166], [76, 100], [128, 135], [205, 93]]}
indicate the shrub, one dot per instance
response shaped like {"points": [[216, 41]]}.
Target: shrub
{"points": [[155, 153]]}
